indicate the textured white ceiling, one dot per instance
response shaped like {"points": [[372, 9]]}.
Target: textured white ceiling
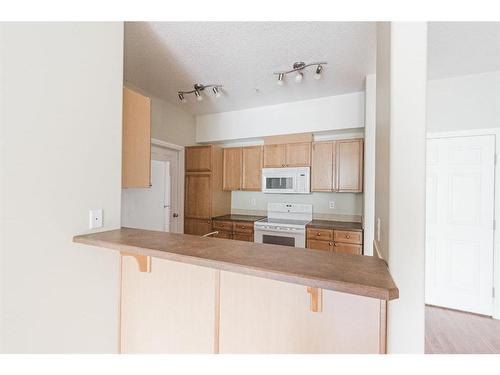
{"points": [[462, 48], [165, 57]]}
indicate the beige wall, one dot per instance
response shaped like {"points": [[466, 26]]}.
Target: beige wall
{"points": [[169, 123], [60, 155]]}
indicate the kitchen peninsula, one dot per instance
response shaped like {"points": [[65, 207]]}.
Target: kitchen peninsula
{"points": [[190, 294]]}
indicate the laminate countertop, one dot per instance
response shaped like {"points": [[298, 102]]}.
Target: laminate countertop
{"points": [[330, 224], [235, 217], [354, 274]]}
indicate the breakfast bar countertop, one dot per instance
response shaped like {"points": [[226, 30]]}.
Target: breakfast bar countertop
{"points": [[353, 274], [330, 224]]}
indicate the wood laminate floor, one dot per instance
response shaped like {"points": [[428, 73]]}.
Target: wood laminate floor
{"points": [[456, 332]]}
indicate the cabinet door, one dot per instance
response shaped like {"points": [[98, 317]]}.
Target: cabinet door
{"points": [[198, 227], [323, 166], [198, 196], [231, 179], [199, 159], [349, 165], [347, 248], [252, 168], [274, 156], [298, 154], [320, 245], [136, 141], [224, 234]]}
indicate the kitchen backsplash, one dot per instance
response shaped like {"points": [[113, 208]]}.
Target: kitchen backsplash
{"points": [[347, 206]]}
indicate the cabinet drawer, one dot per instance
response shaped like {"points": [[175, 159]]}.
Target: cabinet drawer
{"points": [[347, 248], [348, 236], [224, 234], [243, 227], [243, 237], [223, 225], [320, 234], [320, 245]]}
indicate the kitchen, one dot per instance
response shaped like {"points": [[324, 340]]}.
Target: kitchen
{"points": [[235, 222]]}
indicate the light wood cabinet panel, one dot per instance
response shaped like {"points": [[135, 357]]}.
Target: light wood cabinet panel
{"points": [[348, 236], [172, 309], [252, 168], [349, 165], [298, 154], [274, 156], [198, 159], [197, 197], [136, 141], [347, 248], [320, 245], [232, 168], [197, 227], [256, 318], [322, 166]]}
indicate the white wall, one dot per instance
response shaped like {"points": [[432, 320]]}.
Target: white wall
{"points": [[169, 123], [369, 165], [465, 102], [316, 115], [60, 155], [349, 204], [401, 99]]}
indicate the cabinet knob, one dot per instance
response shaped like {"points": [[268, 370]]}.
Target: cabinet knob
{"points": [[347, 236], [335, 245], [318, 234]]}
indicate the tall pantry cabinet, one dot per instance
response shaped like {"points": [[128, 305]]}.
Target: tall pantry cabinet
{"points": [[204, 196]]}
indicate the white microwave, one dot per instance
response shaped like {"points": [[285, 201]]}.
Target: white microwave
{"points": [[286, 180]]}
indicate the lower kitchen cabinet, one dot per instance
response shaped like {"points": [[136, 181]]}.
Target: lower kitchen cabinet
{"points": [[197, 226], [339, 241], [234, 230]]}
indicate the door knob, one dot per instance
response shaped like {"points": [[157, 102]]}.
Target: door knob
{"points": [[175, 214]]}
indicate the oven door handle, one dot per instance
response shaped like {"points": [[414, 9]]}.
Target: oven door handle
{"points": [[299, 232]]}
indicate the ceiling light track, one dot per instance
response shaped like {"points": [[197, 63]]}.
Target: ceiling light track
{"points": [[298, 67], [198, 89]]}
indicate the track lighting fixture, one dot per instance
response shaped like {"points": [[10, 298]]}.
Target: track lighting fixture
{"points": [[198, 89], [298, 68]]}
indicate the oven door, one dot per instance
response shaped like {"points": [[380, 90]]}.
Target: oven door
{"points": [[295, 239], [278, 184]]}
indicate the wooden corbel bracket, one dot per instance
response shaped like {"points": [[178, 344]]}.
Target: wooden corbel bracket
{"points": [[316, 298], [143, 261]]}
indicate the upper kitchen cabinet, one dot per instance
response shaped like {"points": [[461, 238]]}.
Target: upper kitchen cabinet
{"points": [[252, 168], [349, 165], [199, 159], [274, 156], [136, 141], [242, 168], [322, 171], [298, 154], [337, 166], [232, 168]]}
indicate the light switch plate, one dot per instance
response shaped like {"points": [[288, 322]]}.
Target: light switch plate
{"points": [[95, 218], [331, 204]]}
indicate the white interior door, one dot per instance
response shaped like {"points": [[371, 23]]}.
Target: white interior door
{"points": [[149, 208], [460, 214]]}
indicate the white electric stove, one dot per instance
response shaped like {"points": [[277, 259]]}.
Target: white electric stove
{"points": [[285, 224]]}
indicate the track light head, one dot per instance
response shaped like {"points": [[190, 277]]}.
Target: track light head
{"points": [[298, 77], [197, 93], [317, 74], [181, 97], [281, 77], [216, 91]]}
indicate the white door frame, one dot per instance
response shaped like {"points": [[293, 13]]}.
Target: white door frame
{"points": [[496, 235], [180, 177]]}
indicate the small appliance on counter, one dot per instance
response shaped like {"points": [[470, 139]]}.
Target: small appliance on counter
{"points": [[285, 224], [286, 180]]}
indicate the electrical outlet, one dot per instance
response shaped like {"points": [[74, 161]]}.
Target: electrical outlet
{"points": [[331, 204], [253, 202], [95, 218]]}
